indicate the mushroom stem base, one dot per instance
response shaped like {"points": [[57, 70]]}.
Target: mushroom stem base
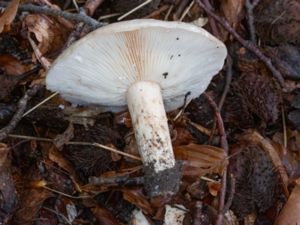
{"points": [[163, 183]]}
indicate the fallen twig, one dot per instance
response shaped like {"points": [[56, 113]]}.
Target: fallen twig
{"points": [[224, 145], [231, 194], [124, 180], [225, 91], [58, 13], [4, 132], [247, 44], [212, 23], [89, 8], [183, 4], [250, 5]]}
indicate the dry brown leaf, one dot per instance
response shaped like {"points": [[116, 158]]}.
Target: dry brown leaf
{"points": [[14, 72], [201, 159], [214, 188], [61, 139], [9, 14], [290, 212], [181, 136], [114, 156], [131, 147], [12, 66], [30, 204], [58, 158], [103, 216], [195, 152], [137, 198], [50, 35], [44, 61], [123, 118], [232, 10]]}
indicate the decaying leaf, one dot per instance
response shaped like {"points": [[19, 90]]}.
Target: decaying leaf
{"points": [[61, 139], [31, 202], [290, 212], [58, 158], [50, 35], [38, 55], [232, 10], [201, 159], [12, 71], [137, 198], [9, 14], [12, 66], [103, 216], [123, 118]]}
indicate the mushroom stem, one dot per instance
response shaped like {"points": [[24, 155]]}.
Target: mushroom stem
{"points": [[152, 135]]}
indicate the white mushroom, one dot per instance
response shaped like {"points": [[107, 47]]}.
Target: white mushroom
{"points": [[149, 66]]}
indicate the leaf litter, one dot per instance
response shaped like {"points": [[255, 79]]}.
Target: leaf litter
{"points": [[45, 180]]}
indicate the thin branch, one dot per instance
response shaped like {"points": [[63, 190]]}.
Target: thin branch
{"points": [[180, 9], [249, 8], [124, 180], [225, 92], [224, 145], [231, 194], [227, 82], [212, 22], [57, 13], [20, 111], [249, 45]]}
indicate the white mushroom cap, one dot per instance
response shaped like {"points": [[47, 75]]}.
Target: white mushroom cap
{"points": [[99, 68]]}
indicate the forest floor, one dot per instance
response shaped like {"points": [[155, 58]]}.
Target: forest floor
{"points": [[239, 141]]}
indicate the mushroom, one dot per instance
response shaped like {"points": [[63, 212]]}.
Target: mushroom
{"points": [[149, 66]]}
